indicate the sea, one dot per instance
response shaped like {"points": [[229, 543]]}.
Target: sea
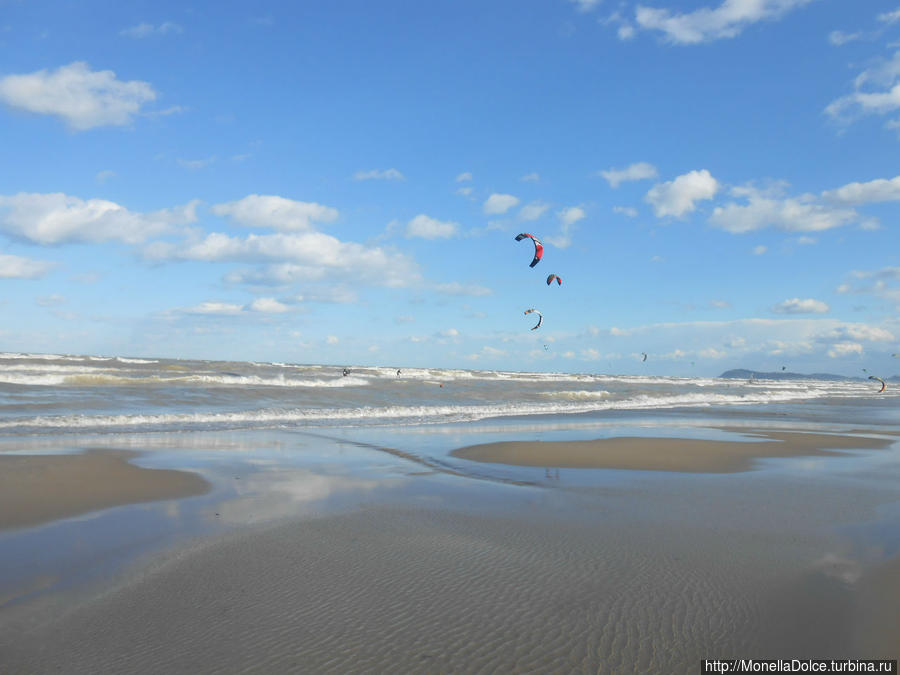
{"points": [[61, 393]]}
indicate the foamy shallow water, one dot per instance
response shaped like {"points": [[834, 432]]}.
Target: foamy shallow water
{"points": [[59, 393]]}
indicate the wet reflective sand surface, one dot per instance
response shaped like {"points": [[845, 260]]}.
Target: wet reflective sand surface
{"points": [[378, 550]]}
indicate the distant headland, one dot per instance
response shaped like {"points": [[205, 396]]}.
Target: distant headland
{"points": [[744, 374]]}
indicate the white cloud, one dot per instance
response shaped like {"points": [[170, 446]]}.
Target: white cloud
{"points": [[500, 203], [464, 191], [712, 353], [626, 211], [16, 267], [456, 288], [856, 332], [103, 176], [465, 176], [332, 339], [83, 98], [58, 218], [637, 171], [449, 333], [882, 284], [838, 38], [678, 197], [705, 24], [844, 349], [379, 174], [805, 213], [876, 92], [309, 256], [570, 215], [759, 250], [222, 308], [428, 228], [143, 30], [276, 212], [532, 177], [567, 218], [626, 31], [269, 306], [890, 17], [533, 211], [879, 190], [798, 306]]}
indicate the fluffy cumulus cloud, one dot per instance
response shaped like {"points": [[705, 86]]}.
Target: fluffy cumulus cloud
{"points": [[214, 309], [798, 306], [500, 203], [845, 349], [294, 257], [680, 196], [876, 91], [856, 332], [533, 211], [429, 228], [706, 24], [379, 174], [16, 267], [277, 213], [769, 208], [637, 171], [879, 190], [268, 306], [81, 97], [58, 218], [567, 218], [571, 215]]}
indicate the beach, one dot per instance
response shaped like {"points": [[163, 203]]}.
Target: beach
{"points": [[612, 541]]}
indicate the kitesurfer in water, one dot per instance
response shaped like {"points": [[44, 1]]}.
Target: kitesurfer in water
{"points": [[346, 372]]}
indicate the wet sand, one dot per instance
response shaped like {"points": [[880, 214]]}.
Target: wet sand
{"points": [[667, 454], [434, 591], [651, 574], [37, 489]]}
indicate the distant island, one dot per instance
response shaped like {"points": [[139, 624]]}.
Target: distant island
{"points": [[744, 374]]}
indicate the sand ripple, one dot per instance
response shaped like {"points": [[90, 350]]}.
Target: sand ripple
{"points": [[413, 591]]}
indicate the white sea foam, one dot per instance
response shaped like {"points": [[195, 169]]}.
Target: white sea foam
{"points": [[580, 395], [376, 415]]}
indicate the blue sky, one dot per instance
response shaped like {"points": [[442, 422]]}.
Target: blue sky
{"points": [[341, 182]]}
